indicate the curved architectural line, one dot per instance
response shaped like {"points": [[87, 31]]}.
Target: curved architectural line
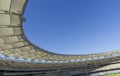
{"points": [[16, 52]]}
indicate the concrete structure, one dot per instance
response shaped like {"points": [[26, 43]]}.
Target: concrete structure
{"points": [[20, 57]]}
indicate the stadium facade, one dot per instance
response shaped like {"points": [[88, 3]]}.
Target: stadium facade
{"points": [[19, 57]]}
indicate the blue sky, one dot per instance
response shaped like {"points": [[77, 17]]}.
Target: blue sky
{"points": [[74, 26]]}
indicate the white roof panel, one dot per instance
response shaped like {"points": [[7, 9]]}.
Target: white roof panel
{"points": [[4, 19], [5, 5], [17, 6]]}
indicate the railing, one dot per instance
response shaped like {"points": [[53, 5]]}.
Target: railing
{"points": [[28, 60]]}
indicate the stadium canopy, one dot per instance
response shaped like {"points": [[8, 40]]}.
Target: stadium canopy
{"points": [[17, 52]]}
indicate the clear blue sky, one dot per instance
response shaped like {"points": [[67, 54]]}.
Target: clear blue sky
{"points": [[74, 26]]}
